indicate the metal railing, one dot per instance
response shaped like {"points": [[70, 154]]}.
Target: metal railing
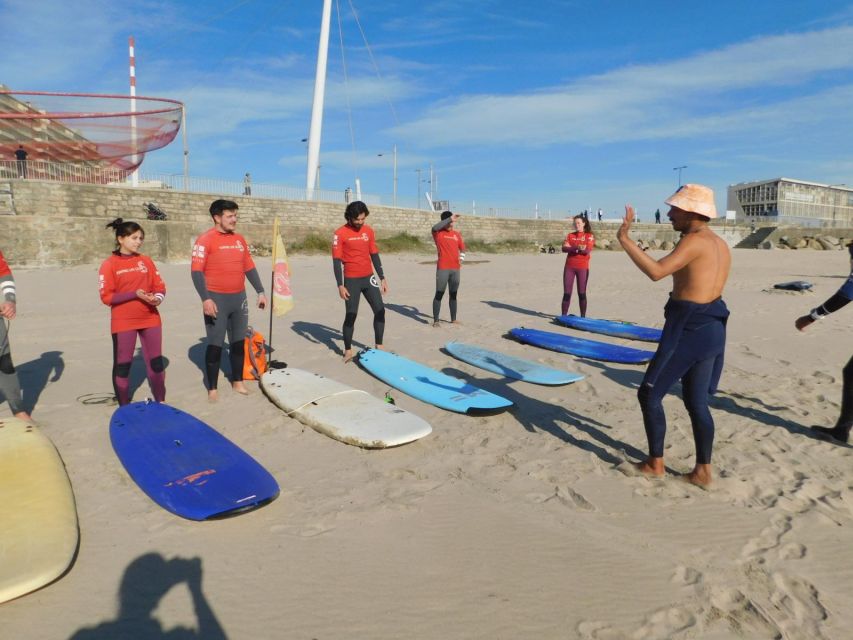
{"points": [[78, 172]]}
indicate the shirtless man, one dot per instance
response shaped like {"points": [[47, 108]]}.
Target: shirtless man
{"points": [[694, 334]]}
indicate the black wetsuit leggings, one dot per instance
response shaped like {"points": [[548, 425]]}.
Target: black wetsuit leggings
{"points": [[695, 376], [444, 277], [845, 420], [369, 286], [232, 317]]}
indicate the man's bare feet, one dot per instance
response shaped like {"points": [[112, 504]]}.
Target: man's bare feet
{"points": [[381, 347], [347, 355], [212, 395], [700, 476], [651, 467], [436, 324], [240, 388], [455, 322], [23, 415]]}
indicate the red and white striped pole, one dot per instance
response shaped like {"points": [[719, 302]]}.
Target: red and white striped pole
{"points": [[134, 177]]}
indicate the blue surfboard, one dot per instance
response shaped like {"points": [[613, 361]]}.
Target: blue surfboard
{"points": [[429, 385], [611, 328], [581, 346], [510, 366], [184, 465]]}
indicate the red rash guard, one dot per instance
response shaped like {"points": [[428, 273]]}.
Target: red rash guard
{"points": [[575, 240], [124, 274], [448, 243], [224, 259], [354, 249], [4, 267]]}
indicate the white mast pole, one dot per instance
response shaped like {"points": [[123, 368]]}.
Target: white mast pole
{"points": [[317, 109], [134, 177]]}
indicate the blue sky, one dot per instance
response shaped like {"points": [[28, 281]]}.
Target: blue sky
{"points": [[562, 104]]}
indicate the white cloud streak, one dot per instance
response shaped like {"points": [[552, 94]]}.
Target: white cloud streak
{"points": [[667, 100]]}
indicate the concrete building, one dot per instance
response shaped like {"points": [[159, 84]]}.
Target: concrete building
{"points": [[787, 201]]}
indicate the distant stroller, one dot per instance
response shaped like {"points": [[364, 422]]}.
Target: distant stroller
{"points": [[153, 211]]}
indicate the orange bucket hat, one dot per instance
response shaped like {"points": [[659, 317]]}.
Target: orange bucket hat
{"points": [[695, 198]]}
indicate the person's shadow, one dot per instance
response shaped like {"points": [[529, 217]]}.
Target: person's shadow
{"points": [[146, 580], [34, 376], [509, 307], [196, 355], [410, 312], [536, 415], [321, 334]]}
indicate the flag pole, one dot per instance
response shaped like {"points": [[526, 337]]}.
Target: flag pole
{"points": [[272, 279]]}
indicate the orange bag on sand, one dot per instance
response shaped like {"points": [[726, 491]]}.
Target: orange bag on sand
{"points": [[254, 356]]}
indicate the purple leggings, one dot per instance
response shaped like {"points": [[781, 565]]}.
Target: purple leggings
{"points": [[124, 343], [569, 275]]}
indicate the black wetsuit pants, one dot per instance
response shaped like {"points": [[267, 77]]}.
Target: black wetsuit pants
{"points": [[369, 286]]}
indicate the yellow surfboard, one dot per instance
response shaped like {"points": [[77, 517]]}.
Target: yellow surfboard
{"points": [[38, 526]]}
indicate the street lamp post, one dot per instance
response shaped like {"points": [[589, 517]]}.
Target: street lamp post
{"points": [[394, 151], [684, 166]]}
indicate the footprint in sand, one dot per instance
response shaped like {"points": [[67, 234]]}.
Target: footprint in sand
{"points": [[820, 376], [769, 538], [570, 498], [686, 576], [798, 601], [740, 614]]}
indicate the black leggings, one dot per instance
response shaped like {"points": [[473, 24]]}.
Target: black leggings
{"points": [[845, 420], [369, 286]]}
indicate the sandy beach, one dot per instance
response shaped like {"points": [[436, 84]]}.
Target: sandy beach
{"points": [[520, 525]]}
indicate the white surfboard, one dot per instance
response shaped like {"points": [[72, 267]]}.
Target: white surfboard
{"points": [[38, 527], [350, 415]]}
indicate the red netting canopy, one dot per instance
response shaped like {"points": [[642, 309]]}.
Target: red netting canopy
{"points": [[105, 130]]}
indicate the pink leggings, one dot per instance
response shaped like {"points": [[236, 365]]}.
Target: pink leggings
{"points": [[124, 343], [569, 275]]}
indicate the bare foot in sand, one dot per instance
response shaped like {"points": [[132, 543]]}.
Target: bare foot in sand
{"points": [[240, 388], [651, 467], [456, 322], [23, 415], [347, 355], [700, 476], [381, 347], [436, 324], [212, 395]]}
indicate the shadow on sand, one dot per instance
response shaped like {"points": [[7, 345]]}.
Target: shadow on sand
{"points": [[34, 376], [536, 415], [509, 307], [410, 312], [146, 580]]}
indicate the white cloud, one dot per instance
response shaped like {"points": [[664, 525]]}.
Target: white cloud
{"points": [[671, 99]]}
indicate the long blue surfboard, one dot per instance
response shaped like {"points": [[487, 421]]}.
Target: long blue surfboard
{"points": [[429, 385], [185, 466], [510, 366], [611, 328], [581, 346]]}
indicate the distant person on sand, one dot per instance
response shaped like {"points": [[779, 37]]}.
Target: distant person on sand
{"points": [[247, 184], [451, 253], [578, 245], [657, 216], [355, 256], [21, 160], [10, 389], [130, 284], [694, 334], [841, 430], [221, 264]]}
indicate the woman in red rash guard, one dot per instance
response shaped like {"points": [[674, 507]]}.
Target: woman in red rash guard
{"points": [[578, 245], [131, 286]]}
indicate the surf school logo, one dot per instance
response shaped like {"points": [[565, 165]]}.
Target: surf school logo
{"points": [[374, 281], [141, 267], [198, 251], [335, 240], [364, 236]]}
